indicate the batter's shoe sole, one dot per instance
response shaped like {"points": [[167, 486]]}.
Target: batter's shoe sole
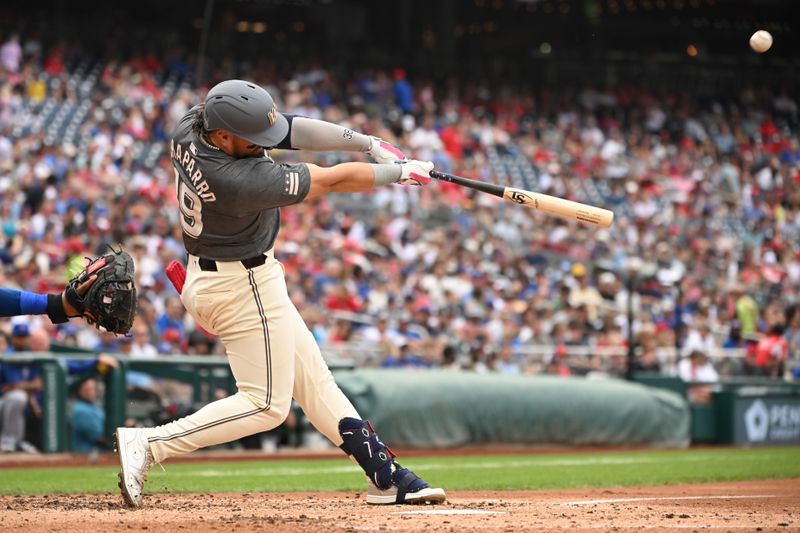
{"points": [[421, 497], [406, 488]]}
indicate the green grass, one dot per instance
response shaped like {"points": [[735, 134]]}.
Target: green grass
{"points": [[516, 472]]}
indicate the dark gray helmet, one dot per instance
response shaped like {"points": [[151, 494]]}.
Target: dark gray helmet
{"points": [[246, 110]]}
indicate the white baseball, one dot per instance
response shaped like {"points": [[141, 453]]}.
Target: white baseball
{"points": [[761, 41]]}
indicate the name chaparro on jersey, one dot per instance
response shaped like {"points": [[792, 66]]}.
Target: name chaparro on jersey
{"points": [[186, 160]]}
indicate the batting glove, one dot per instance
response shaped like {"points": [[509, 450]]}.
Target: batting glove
{"points": [[383, 152], [415, 172]]}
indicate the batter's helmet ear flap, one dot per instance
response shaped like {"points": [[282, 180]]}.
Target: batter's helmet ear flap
{"points": [[246, 110]]}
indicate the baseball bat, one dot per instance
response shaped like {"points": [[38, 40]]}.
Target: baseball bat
{"points": [[553, 205]]}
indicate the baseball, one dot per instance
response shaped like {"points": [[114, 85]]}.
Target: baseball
{"points": [[761, 41]]}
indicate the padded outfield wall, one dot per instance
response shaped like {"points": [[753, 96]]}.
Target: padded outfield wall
{"points": [[439, 409]]}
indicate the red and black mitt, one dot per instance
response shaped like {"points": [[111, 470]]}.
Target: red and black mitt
{"points": [[110, 303]]}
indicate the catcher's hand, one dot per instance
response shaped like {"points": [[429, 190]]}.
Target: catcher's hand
{"points": [[81, 290], [104, 293]]}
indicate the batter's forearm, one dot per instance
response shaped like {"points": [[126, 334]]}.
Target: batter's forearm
{"points": [[351, 177], [321, 136]]}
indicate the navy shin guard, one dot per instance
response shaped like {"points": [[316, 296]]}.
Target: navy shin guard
{"points": [[370, 453]]}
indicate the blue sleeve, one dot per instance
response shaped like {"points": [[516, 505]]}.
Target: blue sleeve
{"points": [[33, 304], [79, 367], [15, 303], [9, 302], [18, 373]]}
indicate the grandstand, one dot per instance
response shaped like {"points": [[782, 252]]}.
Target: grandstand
{"points": [[698, 157]]}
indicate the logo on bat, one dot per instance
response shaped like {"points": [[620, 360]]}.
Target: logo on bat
{"points": [[522, 198]]}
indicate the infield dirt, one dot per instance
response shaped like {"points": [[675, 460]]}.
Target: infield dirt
{"points": [[740, 506]]}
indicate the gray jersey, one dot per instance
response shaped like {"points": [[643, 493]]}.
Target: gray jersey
{"points": [[230, 206]]}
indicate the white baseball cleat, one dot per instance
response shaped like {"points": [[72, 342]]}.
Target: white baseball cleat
{"points": [[406, 488], [377, 496], [135, 461]]}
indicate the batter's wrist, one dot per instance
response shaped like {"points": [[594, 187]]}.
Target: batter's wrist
{"points": [[386, 174]]}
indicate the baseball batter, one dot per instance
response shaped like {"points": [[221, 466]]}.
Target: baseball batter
{"points": [[230, 193]]}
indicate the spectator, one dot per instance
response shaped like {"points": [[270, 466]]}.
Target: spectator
{"points": [[427, 145], [792, 333], [694, 369], [19, 386], [108, 342], [170, 342], [584, 293], [449, 361], [200, 343], [625, 148], [746, 310], [141, 348], [734, 339], [697, 368], [558, 362], [20, 340], [699, 338], [403, 92], [403, 359], [87, 421], [137, 346], [505, 363], [771, 353], [11, 53], [647, 360], [340, 299], [172, 318], [377, 334]]}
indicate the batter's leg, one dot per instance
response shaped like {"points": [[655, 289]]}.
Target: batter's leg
{"points": [[315, 391], [334, 416], [250, 311]]}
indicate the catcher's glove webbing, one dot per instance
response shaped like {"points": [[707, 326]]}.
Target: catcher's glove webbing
{"points": [[110, 303]]}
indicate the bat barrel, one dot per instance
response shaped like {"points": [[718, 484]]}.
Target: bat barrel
{"points": [[588, 214]]}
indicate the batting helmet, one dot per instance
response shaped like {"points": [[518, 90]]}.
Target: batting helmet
{"points": [[246, 110]]}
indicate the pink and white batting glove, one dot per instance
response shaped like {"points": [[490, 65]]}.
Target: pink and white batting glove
{"points": [[383, 152], [415, 172]]}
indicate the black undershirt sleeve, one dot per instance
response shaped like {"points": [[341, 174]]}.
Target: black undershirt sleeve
{"points": [[286, 143]]}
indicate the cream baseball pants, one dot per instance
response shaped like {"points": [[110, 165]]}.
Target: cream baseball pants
{"points": [[272, 354]]}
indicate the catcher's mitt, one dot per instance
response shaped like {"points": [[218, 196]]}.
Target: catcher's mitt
{"points": [[110, 303]]}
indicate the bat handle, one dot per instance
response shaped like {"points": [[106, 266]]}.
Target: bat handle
{"points": [[482, 186]]}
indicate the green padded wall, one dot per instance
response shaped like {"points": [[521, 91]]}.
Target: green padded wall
{"points": [[438, 409]]}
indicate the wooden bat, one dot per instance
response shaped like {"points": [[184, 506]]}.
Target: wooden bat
{"points": [[552, 205]]}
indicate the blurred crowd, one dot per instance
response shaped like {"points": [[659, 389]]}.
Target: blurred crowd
{"points": [[704, 248]]}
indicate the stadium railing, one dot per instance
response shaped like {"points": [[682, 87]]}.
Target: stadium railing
{"points": [[728, 418]]}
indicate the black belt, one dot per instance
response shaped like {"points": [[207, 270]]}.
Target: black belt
{"points": [[209, 265]]}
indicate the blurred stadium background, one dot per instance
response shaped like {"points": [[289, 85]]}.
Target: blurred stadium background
{"points": [[657, 109]]}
